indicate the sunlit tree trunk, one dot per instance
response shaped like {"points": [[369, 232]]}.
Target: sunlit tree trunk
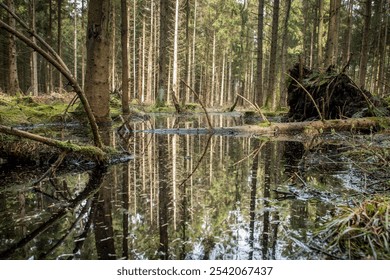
{"points": [[34, 56], [273, 58], [125, 57], [75, 39], [175, 86], [163, 53], [348, 35], [332, 40], [364, 49], [97, 87], [283, 55], [82, 46], [211, 99], [259, 94], [12, 78], [59, 40], [194, 48], [382, 54], [222, 91], [320, 32]]}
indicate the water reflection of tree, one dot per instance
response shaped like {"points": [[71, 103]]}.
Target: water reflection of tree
{"points": [[163, 196], [53, 222]]}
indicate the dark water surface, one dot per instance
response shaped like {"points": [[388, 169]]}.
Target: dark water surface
{"points": [[181, 197]]}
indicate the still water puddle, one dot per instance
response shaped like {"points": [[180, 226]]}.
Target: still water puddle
{"points": [[181, 197]]}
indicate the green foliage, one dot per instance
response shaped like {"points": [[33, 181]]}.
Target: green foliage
{"points": [[363, 230]]}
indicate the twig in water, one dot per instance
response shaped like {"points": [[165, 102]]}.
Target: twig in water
{"points": [[256, 107], [201, 104]]}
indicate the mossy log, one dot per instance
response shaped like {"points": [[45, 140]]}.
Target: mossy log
{"points": [[289, 129], [42, 150]]}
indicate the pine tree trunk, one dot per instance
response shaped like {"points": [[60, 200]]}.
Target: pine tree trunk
{"points": [[272, 65], [125, 57], [59, 40], [12, 79], [320, 32], [34, 57], [364, 49], [283, 55], [97, 87]]}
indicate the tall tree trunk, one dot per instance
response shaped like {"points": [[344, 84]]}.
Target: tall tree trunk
{"points": [[83, 47], [12, 78], [332, 40], [273, 58], [259, 64], [364, 49], [348, 35], [163, 54], [59, 40], [97, 87], [125, 57], [75, 53], [283, 55], [320, 32], [175, 86], [382, 54], [34, 56]]}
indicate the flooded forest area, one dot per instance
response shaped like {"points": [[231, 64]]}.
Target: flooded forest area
{"points": [[194, 130]]}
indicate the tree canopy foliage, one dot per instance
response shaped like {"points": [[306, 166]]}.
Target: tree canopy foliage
{"points": [[217, 48]]}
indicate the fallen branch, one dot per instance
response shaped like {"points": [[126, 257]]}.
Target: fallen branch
{"points": [[89, 151], [201, 104]]}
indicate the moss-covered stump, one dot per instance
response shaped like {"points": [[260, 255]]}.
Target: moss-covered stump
{"points": [[329, 95]]}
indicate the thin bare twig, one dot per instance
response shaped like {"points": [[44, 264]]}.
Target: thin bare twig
{"points": [[311, 97], [256, 107], [201, 104]]}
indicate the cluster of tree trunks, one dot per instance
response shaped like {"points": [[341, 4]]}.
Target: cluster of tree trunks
{"points": [[315, 95]]}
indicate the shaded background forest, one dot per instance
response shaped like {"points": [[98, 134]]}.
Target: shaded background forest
{"points": [[224, 48]]}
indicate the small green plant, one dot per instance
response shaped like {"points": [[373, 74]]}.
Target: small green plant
{"points": [[361, 231]]}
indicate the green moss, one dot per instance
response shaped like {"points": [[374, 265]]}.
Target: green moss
{"points": [[24, 110]]}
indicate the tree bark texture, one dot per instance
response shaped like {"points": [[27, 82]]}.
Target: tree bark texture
{"points": [[97, 87], [364, 49], [13, 80], [125, 57]]}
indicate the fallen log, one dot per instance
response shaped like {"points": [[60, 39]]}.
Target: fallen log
{"points": [[286, 129], [43, 150]]}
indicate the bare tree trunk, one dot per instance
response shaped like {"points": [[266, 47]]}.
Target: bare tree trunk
{"points": [[75, 40], [348, 35], [332, 40], [382, 54], [125, 57], [59, 40], [34, 57], [283, 55], [12, 78], [364, 49], [273, 58], [175, 85], [83, 47], [320, 32], [97, 87]]}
